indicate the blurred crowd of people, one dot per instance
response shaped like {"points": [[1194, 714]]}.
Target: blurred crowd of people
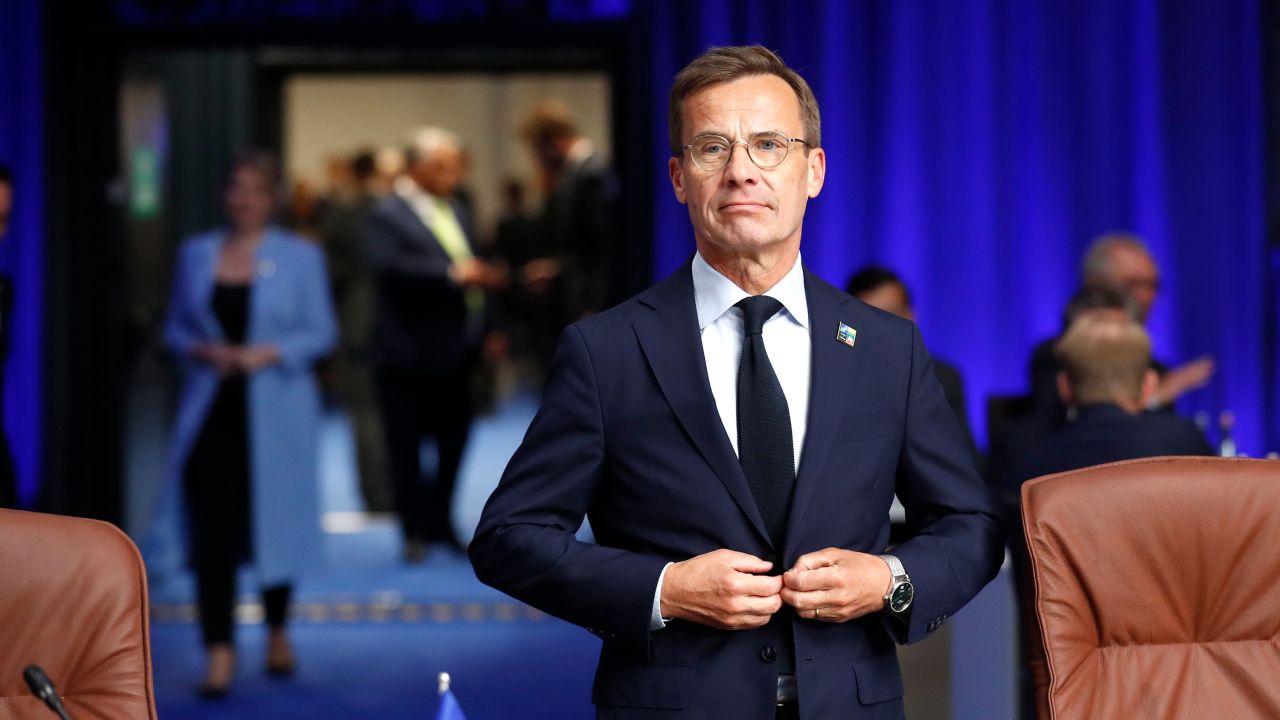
{"points": [[380, 293], [1097, 395]]}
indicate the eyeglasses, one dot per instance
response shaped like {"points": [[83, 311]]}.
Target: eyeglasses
{"points": [[766, 149]]}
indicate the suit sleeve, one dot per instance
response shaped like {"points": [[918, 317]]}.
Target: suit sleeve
{"points": [[525, 544], [955, 548]]}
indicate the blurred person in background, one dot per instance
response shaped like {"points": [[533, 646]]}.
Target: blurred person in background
{"points": [[306, 209], [249, 316], [577, 217], [351, 280], [1121, 262], [462, 195], [8, 478], [1012, 442], [389, 161], [882, 288], [430, 323], [341, 184], [1108, 381], [531, 311]]}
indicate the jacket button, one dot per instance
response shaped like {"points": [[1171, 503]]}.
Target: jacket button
{"points": [[768, 654]]}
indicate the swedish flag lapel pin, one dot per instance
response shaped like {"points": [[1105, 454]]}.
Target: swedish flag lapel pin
{"points": [[846, 335]]}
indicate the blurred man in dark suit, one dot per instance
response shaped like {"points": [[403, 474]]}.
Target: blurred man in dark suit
{"points": [[1108, 382], [1122, 263], [352, 283], [881, 287], [429, 325], [8, 482], [577, 217], [1018, 437]]}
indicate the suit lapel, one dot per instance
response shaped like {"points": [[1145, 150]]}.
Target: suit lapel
{"points": [[671, 343], [413, 225], [834, 370]]}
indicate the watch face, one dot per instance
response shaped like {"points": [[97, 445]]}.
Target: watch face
{"points": [[900, 600]]}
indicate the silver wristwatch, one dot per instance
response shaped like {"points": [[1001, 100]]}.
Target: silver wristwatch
{"points": [[897, 599]]}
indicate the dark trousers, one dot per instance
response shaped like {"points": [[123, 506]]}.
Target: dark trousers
{"points": [[216, 590], [790, 711], [419, 406]]}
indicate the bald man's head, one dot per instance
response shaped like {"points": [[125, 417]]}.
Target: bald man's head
{"points": [[1122, 261]]}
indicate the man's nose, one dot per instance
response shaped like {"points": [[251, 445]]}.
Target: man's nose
{"points": [[740, 168]]}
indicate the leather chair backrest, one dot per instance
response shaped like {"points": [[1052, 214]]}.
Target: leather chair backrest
{"points": [[73, 600], [1158, 588]]}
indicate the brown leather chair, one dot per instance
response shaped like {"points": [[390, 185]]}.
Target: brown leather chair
{"points": [[1158, 588], [73, 600]]}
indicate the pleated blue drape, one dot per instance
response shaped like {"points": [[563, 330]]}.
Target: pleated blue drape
{"points": [[977, 146]]}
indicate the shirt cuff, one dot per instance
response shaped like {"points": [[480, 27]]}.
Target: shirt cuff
{"points": [[656, 621]]}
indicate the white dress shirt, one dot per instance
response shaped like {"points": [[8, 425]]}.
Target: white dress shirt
{"points": [[786, 339], [421, 202]]}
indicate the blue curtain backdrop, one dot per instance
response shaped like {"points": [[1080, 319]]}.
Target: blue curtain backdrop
{"points": [[22, 149], [978, 145]]}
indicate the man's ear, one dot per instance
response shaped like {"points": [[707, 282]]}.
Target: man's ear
{"points": [[1150, 383], [817, 162], [1064, 390], [677, 179]]}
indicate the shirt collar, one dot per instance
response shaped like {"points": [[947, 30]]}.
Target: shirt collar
{"points": [[406, 188], [714, 294]]}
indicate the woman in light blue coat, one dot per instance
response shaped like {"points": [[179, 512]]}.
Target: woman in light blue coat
{"points": [[249, 316]]}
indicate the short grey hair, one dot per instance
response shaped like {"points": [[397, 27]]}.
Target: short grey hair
{"points": [[725, 64], [1096, 268], [427, 141]]}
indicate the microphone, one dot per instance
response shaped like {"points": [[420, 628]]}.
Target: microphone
{"points": [[42, 687]]}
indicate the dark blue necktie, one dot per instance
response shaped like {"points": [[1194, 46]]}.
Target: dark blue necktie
{"points": [[764, 422]]}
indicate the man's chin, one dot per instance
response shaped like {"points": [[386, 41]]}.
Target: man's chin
{"points": [[746, 243]]}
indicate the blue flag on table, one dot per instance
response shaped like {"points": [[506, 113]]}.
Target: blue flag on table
{"points": [[449, 709]]}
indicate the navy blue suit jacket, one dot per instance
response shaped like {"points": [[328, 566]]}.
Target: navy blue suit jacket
{"points": [[1105, 433], [421, 320], [628, 434]]}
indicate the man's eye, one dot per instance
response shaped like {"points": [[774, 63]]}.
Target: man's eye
{"points": [[768, 145], [713, 149]]}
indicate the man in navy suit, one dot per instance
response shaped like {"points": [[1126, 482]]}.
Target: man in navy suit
{"points": [[428, 329], [1107, 381], [736, 435]]}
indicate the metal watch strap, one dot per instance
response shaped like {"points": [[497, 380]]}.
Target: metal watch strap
{"points": [[895, 566]]}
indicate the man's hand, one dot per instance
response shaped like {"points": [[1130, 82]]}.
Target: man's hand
{"points": [[478, 273], [1184, 378], [539, 273], [835, 585], [724, 589]]}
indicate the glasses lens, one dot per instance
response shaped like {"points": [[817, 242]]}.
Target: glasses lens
{"points": [[711, 152], [768, 149]]}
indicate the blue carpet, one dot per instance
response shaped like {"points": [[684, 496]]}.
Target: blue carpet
{"points": [[372, 633]]}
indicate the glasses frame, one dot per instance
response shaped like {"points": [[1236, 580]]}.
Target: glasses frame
{"points": [[746, 144]]}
